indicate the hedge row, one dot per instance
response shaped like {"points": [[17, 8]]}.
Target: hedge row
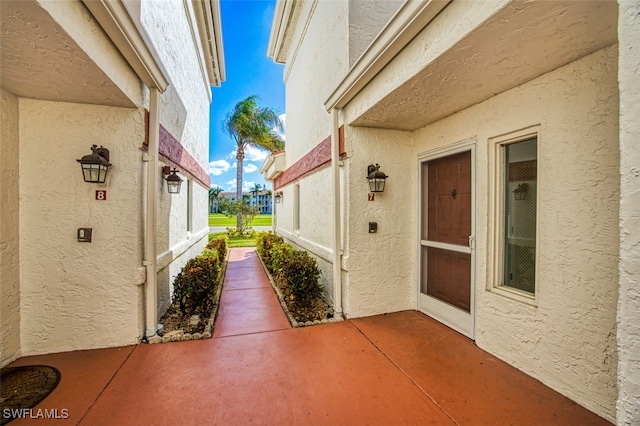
{"points": [[194, 286], [295, 271]]}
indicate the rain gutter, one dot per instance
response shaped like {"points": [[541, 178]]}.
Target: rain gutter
{"points": [[337, 217]]}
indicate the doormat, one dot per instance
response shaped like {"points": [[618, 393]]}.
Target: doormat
{"points": [[23, 388]]}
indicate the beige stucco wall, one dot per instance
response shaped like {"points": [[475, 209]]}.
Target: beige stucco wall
{"points": [[366, 20], [9, 231], [184, 112], [308, 124], [380, 268], [567, 340], [629, 293], [79, 295]]}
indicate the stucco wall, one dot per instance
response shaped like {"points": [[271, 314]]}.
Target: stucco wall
{"points": [[366, 20], [184, 112], [308, 124], [629, 302], [380, 271], [568, 339], [322, 48], [9, 235], [79, 295]]}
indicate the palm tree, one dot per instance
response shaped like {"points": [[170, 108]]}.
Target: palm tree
{"points": [[252, 126], [255, 190], [269, 194], [213, 198]]}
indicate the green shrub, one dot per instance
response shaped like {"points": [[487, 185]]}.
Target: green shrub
{"points": [[220, 245], [297, 271], [194, 286], [241, 233], [265, 243]]}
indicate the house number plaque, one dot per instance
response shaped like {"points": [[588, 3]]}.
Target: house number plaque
{"points": [[101, 195]]}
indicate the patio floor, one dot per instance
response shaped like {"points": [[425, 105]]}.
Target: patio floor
{"points": [[400, 368]]}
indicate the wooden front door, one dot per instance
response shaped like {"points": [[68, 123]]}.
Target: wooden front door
{"points": [[445, 281]]}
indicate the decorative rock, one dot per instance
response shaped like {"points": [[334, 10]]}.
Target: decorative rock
{"points": [[186, 337], [194, 320], [172, 333], [166, 339], [196, 336], [206, 335], [155, 339]]}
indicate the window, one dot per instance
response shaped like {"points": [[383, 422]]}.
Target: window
{"points": [[189, 206], [515, 215], [519, 201], [296, 207]]}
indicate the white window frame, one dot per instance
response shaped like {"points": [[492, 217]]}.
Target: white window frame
{"points": [[189, 206], [296, 207], [496, 213]]}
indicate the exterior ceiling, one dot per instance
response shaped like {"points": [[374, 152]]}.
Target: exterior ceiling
{"points": [[522, 41], [41, 61]]}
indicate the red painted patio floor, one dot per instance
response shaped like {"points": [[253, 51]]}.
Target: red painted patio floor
{"points": [[401, 368]]}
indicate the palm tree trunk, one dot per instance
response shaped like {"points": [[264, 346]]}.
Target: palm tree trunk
{"points": [[240, 158]]}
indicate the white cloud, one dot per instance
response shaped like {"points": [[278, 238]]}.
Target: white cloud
{"points": [[231, 185], [251, 154], [283, 118], [215, 185], [250, 168], [247, 185], [218, 167]]}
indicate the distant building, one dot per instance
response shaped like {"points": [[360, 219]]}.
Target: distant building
{"points": [[263, 198]]}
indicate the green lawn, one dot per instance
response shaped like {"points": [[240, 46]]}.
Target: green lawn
{"points": [[235, 242], [218, 219]]}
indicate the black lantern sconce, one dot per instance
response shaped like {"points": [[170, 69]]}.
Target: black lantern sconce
{"points": [[376, 178], [278, 197], [520, 193], [173, 180], [95, 165]]}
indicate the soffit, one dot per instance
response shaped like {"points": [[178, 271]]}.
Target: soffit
{"points": [[519, 43], [41, 61], [285, 24]]}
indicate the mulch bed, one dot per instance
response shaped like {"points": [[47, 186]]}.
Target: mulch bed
{"points": [[302, 312], [179, 327]]}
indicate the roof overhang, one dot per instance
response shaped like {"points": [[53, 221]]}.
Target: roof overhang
{"points": [[409, 20], [55, 51], [284, 27], [131, 40], [210, 28], [516, 43], [273, 165]]}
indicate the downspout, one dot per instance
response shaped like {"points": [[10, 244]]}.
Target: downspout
{"points": [[337, 231], [150, 247]]}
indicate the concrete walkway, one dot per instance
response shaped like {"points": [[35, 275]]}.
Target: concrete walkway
{"points": [[401, 368]]}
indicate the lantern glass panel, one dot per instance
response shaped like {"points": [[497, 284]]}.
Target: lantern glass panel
{"points": [[173, 187]]}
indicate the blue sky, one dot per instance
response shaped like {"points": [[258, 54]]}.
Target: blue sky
{"points": [[245, 35]]}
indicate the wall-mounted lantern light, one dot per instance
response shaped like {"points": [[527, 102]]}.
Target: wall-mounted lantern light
{"points": [[278, 196], [173, 180], [520, 193], [95, 165], [376, 178]]}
